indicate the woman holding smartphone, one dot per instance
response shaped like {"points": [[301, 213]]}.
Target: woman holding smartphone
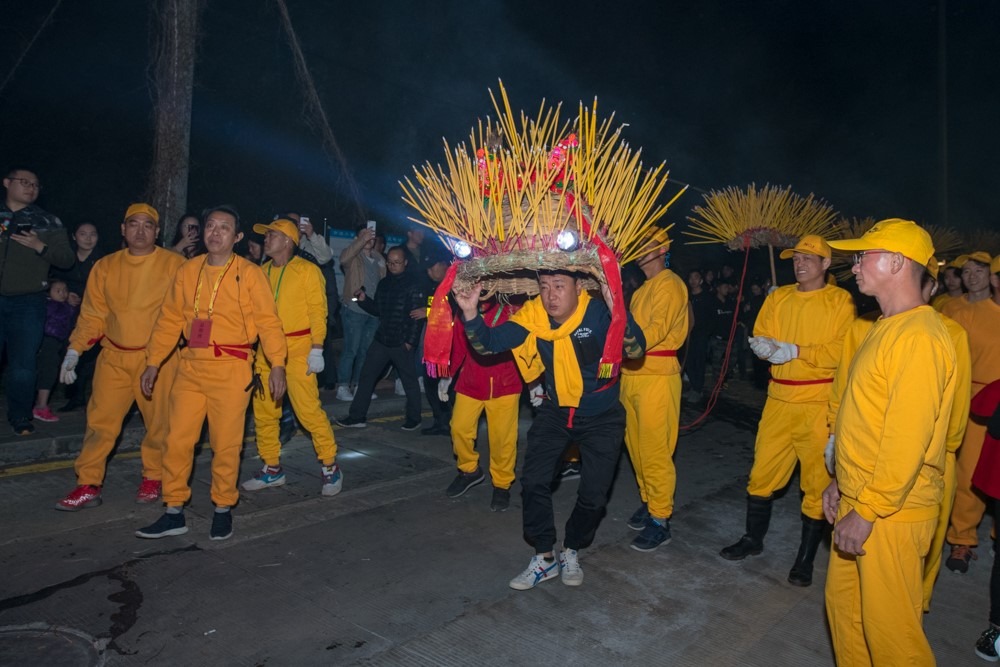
{"points": [[187, 238]]}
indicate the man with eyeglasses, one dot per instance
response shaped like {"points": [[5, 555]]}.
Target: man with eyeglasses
{"points": [[890, 442], [800, 331], [31, 241]]}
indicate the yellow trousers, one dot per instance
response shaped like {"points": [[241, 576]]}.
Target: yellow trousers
{"points": [[216, 390], [501, 429], [933, 564], [875, 602], [969, 505], [303, 392], [790, 432], [652, 417], [116, 386]]}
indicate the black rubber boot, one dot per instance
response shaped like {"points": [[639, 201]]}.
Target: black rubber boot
{"points": [[758, 519], [801, 573]]}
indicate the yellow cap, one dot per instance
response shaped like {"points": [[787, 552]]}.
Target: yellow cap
{"points": [[283, 225], [995, 265], [954, 264], [660, 238], [980, 256], [933, 268], [895, 235], [810, 245], [135, 209]]}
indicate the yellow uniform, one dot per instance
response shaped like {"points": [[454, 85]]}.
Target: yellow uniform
{"points": [[651, 389], [300, 293], [124, 293], [213, 380], [938, 303], [891, 434], [981, 321], [793, 426]]}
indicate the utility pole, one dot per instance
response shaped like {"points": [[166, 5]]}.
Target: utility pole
{"points": [[173, 61]]}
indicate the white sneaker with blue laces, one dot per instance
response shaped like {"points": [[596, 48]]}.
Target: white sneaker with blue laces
{"points": [[539, 570]]}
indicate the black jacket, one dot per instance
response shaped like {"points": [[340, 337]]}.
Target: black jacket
{"points": [[395, 297]]}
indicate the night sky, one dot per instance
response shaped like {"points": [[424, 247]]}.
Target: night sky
{"points": [[843, 99]]}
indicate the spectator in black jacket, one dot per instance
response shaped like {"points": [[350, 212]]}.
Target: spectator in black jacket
{"points": [[395, 340]]}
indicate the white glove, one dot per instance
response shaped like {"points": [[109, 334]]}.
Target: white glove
{"points": [[315, 361], [762, 346], [785, 353], [830, 454], [66, 374], [443, 385], [537, 394]]}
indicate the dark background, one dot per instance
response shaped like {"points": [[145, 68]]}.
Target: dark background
{"points": [[884, 109]]}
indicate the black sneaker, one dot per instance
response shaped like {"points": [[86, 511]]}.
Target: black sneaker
{"points": [[222, 526], [653, 535], [347, 422], [465, 481], [410, 426], [961, 555], [23, 428], [570, 470], [501, 500], [166, 525], [638, 519], [986, 645]]}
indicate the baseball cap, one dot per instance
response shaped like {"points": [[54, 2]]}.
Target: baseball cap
{"points": [[810, 245], [995, 265], [980, 256], [895, 235], [933, 268], [136, 209], [660, 238], [283, 225]]}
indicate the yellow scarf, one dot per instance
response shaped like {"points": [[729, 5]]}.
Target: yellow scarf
{"points": [[569, 379]]}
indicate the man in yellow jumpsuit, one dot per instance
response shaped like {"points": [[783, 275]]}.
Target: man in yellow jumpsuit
{"points": [[221, 304], [300, 293], [651, 394], [979, 314], [890, 455], [124, 293], [800, 331]]}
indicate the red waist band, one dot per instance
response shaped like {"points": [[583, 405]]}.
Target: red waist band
{"points": [[95, 341], [300, 332], [233, 350], [799, 383], [662, 353]]}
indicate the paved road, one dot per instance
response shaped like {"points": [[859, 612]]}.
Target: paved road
{"points": [[391, 572]]}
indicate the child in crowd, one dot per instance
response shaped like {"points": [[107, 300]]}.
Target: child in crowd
{"points": [[59, 317]]}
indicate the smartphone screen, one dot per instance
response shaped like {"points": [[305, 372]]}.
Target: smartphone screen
{"points": [[371, 225]]}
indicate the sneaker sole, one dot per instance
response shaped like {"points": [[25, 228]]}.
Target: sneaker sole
{"points": [[68, 508], [646, 549], [167, 533], [499, 509], [335, 489], [572, 582], [524, 586], [987, 658], [246, 486], [47, 421], [411, 428], [633, 526], [220, 538], [145, 500], [468, 486], [343, 425]]}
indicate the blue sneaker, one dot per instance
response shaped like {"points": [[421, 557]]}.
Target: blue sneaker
{"points": [[333, 480], [653, 535], [639, 518], [265, 477], [539, 570]]}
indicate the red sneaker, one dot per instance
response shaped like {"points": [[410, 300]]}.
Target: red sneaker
{"points": [[85, 495], [149, 491], [44, 415]]}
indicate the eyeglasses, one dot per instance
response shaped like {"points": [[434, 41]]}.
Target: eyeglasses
{"points": [[29, 185], [856, 257]]}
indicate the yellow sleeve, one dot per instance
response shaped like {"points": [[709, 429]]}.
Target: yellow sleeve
{"points": [[765, 325], [316, 305], [170, 322], [959, 417], [828, 353], [856, 332], [93, 311], [265, 316]]}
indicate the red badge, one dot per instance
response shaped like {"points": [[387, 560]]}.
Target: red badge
{"points": [[201, 332]]}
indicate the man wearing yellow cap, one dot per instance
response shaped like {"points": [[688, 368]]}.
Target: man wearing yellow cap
{"points": [[979, 315], [800, 331], [221, 304], [123, 296], [651, 394], [890, 440], [300, 293]]}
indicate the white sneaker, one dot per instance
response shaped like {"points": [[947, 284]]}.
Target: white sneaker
{"points": [[344, 393], [538, 571], [399, 391], [569, 566], [333, 480], [264, 478]]}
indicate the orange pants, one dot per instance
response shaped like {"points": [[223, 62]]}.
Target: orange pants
{"points": [[501, 429], [303, 392], [969, 504], [933, 564], [216, 390], [652, 417], [790, 433], [116, 386], [874, 602]]}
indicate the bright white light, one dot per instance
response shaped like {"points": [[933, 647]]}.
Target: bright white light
{"points": [[566, 240], [462, 249]]}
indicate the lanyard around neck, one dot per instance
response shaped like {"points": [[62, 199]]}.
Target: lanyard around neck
{"points": [[215, 288], [277, 288]]}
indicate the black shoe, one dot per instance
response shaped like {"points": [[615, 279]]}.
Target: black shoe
{"points": [[465, 481], [960, 557], [436, 430], [222, 526], [23, 428], [638, 519], [347, 422], [410, 426], [653, 535], [500, 501], [72, 405], [747, 546], [986, 645], [166, 525], [570, 470]]}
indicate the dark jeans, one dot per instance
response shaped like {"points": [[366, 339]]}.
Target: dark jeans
{"points": [[694, 362], [600, 441], [375, 360], [22, 325]]}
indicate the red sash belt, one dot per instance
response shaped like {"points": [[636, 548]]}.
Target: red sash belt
{"points": [[233, 350], [799, 383], [301, 332], [95, 341], [662, 353]]}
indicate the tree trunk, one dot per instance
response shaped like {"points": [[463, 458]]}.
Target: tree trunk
{"points": [[177, 26]]}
